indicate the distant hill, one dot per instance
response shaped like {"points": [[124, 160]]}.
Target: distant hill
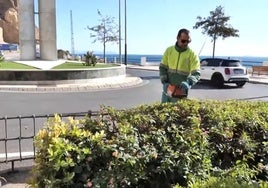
{"points": [[9, 22]]}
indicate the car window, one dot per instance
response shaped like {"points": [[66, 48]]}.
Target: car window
{"points": [[204, 63], [214, 62], [230, 63]]}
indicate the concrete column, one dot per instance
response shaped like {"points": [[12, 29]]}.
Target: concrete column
{"points": [[47, 30], [26, 29]]}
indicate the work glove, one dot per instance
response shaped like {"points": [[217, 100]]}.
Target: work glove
{"points": [[185, 86], [165, 86]]}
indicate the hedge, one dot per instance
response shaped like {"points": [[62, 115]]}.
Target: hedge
{"points": [[186, 144]]}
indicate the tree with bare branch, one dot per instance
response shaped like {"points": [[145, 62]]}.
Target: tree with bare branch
{"points": [[106, 31]]}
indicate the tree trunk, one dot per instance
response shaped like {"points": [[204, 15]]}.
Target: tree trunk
{"points": [[214, 44], [104, 56]]}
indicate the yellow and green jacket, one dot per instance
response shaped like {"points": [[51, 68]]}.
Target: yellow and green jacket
{"points": [[179, 65]]}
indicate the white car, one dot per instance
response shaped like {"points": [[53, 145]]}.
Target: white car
{"points": [[220, 71]]}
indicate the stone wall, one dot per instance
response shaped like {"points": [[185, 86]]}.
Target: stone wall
{"points": [[58, 76]]}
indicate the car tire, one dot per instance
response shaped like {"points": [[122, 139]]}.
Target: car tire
{"points": [[217, 80], [240, 84]]}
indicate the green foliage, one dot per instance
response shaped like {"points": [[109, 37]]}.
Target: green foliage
{"points": [[14, 65], [61, 154], [2, 58], [79, 65], [216, 26], [225, 182], [185, 144], [91, 59], [237, 133]]}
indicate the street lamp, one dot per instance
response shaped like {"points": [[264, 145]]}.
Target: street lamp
{"points": [[120, 56], [125, 32]]}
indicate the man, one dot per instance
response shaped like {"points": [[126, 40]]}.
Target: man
{"points": [[179, 68]]}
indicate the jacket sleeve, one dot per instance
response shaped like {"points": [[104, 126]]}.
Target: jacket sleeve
{"points": [[194, 77], [163, 68]]}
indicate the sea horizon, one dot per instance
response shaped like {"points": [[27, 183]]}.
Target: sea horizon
{"points": [[246, 60]]}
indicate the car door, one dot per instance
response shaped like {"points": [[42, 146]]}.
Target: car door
{"points": [[208, 67]]}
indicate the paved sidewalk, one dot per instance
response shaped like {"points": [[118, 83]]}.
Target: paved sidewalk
{"points": [[263, 79], [16, 179]]}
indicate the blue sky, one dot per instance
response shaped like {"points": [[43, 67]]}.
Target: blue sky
{"points": [[152, 25]]}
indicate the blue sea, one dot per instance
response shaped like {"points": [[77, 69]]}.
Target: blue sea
{"points": [[247, 61]]}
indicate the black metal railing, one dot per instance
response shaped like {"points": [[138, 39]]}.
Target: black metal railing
{"points": [[17, 135]]}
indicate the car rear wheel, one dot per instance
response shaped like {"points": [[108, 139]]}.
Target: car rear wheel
{"points": [[240, 84], [217, 80]]}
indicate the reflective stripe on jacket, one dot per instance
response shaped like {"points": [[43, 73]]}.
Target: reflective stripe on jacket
{"points": [[177, 67]]}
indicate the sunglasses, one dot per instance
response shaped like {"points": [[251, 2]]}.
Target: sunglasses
{"points": [[185, 41]]}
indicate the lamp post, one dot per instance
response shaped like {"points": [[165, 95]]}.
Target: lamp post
{"points": [[125, 32], [120, 56]]}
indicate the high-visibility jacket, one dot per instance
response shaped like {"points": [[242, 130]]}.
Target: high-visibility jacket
{"points": [[176, 67]]}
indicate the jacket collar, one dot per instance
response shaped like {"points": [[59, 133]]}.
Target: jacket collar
{"points": [[179, 49]]}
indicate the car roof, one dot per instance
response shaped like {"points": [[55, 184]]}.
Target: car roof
{"points": [[220, 59]]}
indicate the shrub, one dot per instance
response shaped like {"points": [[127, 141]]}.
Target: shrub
{"points": [[90, 59], [224, 182], [2, 58], [157, 145]]}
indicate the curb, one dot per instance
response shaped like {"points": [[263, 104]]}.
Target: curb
{"points": [[258, 80], [92, 85]]}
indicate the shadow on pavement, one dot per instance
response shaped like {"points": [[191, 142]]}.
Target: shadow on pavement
{"points": [[17, 178], [207, 85]]}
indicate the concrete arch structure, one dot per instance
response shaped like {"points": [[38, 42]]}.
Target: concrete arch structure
{"points": [[47, 30]]}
